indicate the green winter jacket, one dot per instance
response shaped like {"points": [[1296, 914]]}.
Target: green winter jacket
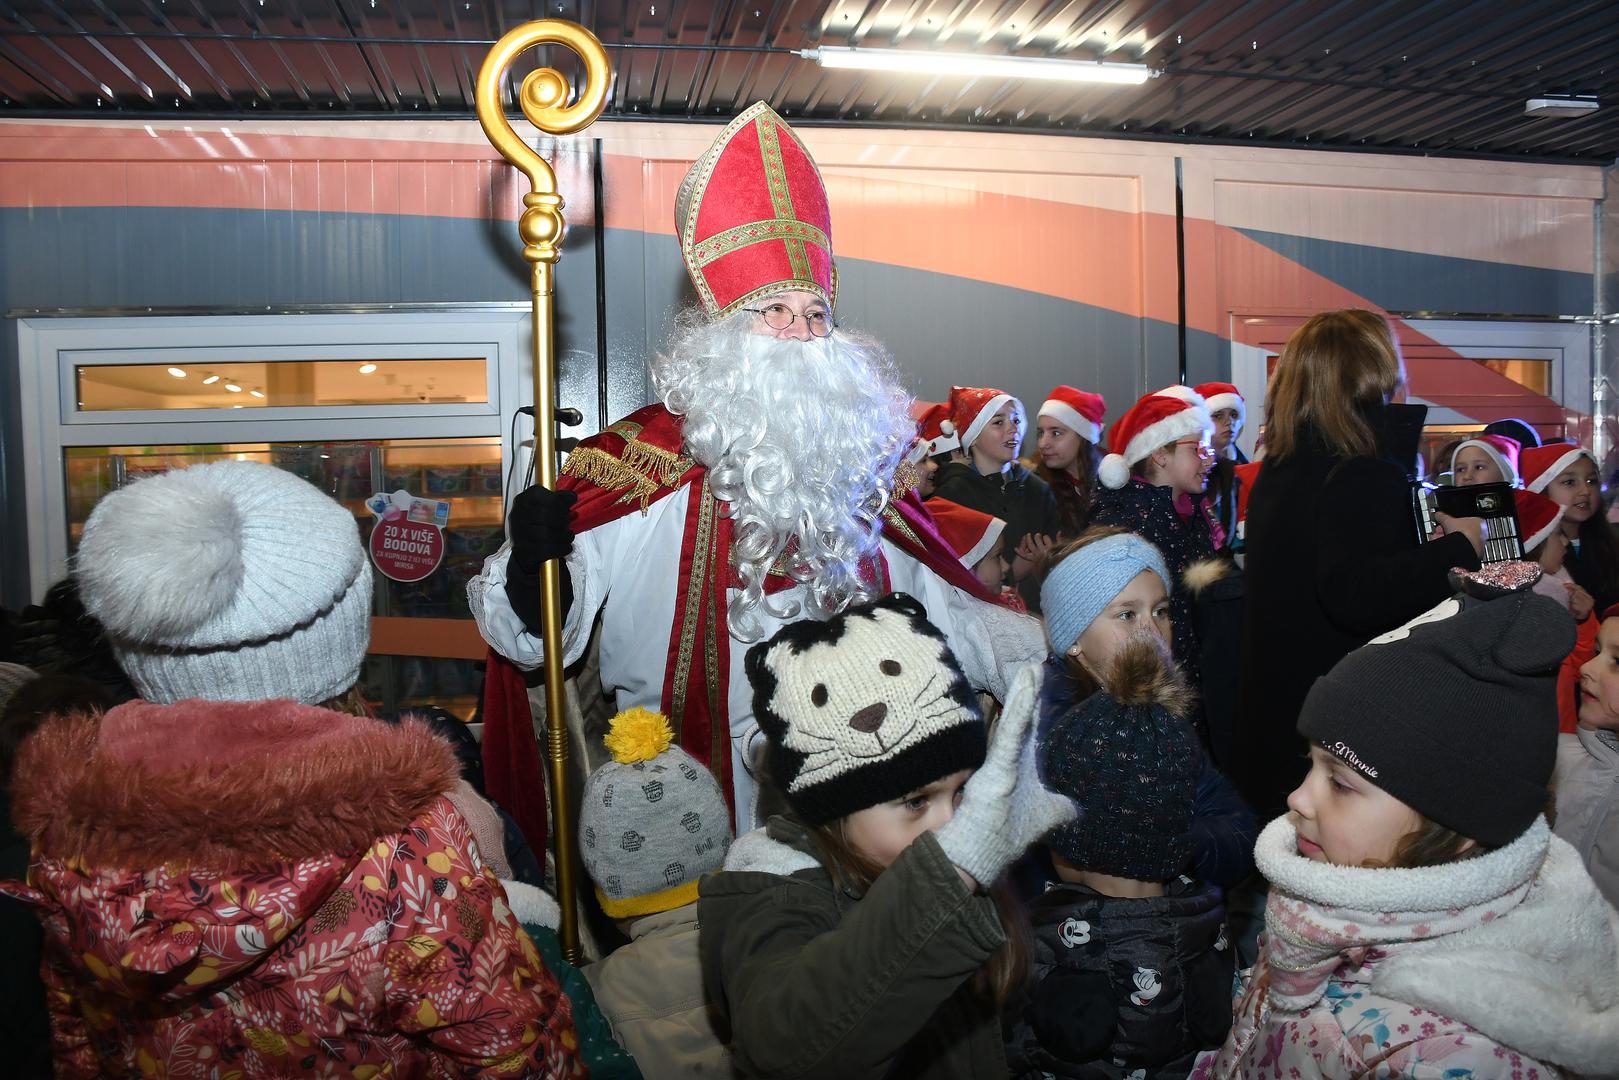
{"points": [[817, 982]]}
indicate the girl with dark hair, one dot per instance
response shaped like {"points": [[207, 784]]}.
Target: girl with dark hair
{"points": [[1568, 475], [1067, 431]]}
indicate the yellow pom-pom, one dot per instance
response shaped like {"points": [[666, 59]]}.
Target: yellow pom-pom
{"points": [[638, 735]]}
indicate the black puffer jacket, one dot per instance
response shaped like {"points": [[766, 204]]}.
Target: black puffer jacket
{"points": [[1122, 985], [1149, 511]]}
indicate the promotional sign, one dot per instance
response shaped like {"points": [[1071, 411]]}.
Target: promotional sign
{"points": [[407, 541]]}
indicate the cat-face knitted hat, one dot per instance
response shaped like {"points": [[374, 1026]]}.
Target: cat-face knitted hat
{"points": [[866, 707], [232, 581]]}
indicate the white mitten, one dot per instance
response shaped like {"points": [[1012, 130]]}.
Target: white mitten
{"points": [[1004, 807]]}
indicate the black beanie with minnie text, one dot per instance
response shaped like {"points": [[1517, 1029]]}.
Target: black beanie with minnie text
{"points": [[1454, 713]]}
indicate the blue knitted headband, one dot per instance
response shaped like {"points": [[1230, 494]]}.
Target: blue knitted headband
{"points": [[1079, 587]]}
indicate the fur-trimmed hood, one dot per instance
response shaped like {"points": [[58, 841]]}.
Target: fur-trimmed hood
{"points": [[224, 785], [181, 816]]}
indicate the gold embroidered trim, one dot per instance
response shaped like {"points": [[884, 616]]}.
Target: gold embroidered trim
{"points": [[695, 583], [758, 232], [907, 478], [780, 198], [640, 472], [893, 520]]}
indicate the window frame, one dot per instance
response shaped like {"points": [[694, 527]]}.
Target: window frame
{"points": [[50, 349]]}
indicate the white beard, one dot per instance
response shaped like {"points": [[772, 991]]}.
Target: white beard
{"points": [[800, 439]]}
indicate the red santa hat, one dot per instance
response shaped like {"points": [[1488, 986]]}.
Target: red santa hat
{"points": [[1077, 411], [972, 407], [1223, 395], [1538, 515], [1155, 420], [753, 218], [1541, 464], [936, 432], [1499, 449], [970, 533]]}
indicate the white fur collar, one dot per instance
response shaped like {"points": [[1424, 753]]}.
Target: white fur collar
{"points": [[531, 904], [1424, 888], [755, 851], [1542, 979]]}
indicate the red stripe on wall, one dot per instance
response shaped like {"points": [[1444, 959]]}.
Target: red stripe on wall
{"points": [[1248, 268]]}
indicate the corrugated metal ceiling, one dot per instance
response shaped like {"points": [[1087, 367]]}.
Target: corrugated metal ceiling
{"points": [[1439, 76]]}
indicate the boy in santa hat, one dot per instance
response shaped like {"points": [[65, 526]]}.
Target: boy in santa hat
{"points": [[990, 479], [1485, 459]]}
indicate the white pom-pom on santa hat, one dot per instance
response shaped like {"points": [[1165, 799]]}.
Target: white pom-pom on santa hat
{"points": [[936, 433], [1155, 420], [1114, 472]]}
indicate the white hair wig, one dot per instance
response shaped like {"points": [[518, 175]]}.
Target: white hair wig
{"points": [[801, 440]]}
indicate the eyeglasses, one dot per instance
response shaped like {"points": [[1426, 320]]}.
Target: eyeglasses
{"points": [[1203, 449], [780, 317]]}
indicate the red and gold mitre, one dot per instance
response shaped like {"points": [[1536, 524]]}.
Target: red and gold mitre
{"points": [[752, 217]]}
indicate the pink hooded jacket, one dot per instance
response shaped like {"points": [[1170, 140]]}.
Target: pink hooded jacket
{"points": [[272, 889]]}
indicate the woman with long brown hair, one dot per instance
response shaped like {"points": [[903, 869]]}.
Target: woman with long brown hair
{"points": [[1333, 555], [1068, 431]]}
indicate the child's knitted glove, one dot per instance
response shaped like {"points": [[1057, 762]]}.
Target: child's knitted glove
{"points": [[1004, 807]]}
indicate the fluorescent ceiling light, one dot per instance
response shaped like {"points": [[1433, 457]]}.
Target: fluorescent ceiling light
{"points": [[366, 369], [210, 380], [233, 388], [1560, 106], [178, 373], [919, 62]]}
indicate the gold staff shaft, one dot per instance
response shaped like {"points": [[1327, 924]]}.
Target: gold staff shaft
{"points": [[541, 227]]}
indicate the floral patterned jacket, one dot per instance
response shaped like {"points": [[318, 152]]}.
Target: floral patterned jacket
{"points": [[1502, 967], [237, 890]]}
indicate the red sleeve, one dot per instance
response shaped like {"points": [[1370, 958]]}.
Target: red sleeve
{"points": [[1568, 676], [461, 973]]}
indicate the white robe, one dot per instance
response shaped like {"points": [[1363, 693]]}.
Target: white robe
{"points": [[627, 571]]}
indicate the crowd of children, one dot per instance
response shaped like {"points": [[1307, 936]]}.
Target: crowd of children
{"points": [[230, 865]]}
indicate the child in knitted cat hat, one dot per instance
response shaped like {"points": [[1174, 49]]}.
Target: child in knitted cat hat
{"points": [[857, 936]]}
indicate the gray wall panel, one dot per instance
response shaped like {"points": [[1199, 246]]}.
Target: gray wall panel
{"points": [[1413, 281]]}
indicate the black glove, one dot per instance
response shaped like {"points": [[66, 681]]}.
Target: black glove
{"points": [[541, 529]]}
